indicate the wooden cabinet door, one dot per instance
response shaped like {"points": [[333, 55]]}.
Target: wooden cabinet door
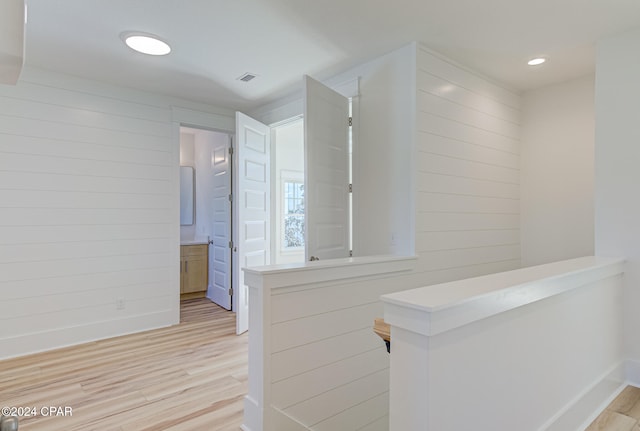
{"points": [[194, 268], [195, 271]]}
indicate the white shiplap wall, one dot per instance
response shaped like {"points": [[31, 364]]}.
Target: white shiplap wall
{"points": [[323, 367], [88, 212], [468, 172], [326, 368], [329, 357]]}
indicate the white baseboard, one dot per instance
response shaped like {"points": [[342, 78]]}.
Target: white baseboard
{"points": [[257, 419], [586, 406], [283, 422], [37, 342], [575, 416], [632, 372], [253, 415]]}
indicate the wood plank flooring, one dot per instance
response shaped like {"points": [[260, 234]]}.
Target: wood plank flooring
{"points": [[189, 377], [623, 414]]}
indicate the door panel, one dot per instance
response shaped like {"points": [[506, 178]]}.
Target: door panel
{"points": [[220, 253], [326, 141], [253, 205]]}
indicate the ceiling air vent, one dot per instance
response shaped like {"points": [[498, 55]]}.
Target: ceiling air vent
{"points": [[247, 77]]}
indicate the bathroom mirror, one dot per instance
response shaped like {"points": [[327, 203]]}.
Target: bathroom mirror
{"points": [[187, 195]]}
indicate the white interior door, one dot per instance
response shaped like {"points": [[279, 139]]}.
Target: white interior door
{"points": [[219, 251], [253, 243], [326, 148]]}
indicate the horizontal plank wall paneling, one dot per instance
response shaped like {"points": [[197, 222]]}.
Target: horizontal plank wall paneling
{"points": [[454, 185], [461, 80], [456, 167], [325, 369], [323, 366], [468, 171], [88, 211]]}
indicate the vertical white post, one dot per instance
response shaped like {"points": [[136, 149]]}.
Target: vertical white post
{"points": [[409, 381], [257, 401]]}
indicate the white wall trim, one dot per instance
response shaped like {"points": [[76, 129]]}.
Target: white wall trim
{"points": [[280, 421], [632, 372], [440, 308], [201, 119], [286, 275], [253, 414], [587, 405], [423, 47], [71, 336]]}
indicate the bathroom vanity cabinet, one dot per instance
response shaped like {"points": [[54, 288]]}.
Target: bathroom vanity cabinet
{"points": [[194, 270]]}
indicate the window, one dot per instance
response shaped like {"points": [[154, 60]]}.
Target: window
{"points": [[293, 215]]}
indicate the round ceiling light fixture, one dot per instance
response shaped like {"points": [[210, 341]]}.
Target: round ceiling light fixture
{"points": [[146, 43], [536, 61]]}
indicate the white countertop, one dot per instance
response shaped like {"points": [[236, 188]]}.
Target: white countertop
{"points": [[193, 242], [437, 308]]}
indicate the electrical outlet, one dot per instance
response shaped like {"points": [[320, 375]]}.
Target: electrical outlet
{"points": [[120, 304]]}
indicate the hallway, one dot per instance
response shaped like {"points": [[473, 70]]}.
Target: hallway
{"points": [[191, 376]]}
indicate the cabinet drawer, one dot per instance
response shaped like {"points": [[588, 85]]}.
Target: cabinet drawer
{"points": [[193, 250]]}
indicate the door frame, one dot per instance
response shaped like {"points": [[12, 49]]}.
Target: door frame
{"points": [[225, 123], [217, 128]]}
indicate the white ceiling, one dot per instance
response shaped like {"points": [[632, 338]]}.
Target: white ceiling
{"points": [[216, 41]]}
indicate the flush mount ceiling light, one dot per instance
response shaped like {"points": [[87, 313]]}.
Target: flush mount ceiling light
{"points": [[536, 61], [146, 43]]}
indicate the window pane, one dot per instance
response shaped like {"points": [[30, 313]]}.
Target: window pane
{"points": [[293, 231], [293, 218]]}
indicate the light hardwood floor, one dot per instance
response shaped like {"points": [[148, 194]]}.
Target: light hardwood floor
{"points": [[623, 414], [192, 376], [189, 377]]}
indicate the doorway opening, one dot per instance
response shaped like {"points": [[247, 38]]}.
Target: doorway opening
{"points": [[205, 215], [320, 204], [287, 188]]}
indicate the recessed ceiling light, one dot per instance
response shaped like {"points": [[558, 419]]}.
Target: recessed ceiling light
{"points": [[536, 61], [146, 43]]}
